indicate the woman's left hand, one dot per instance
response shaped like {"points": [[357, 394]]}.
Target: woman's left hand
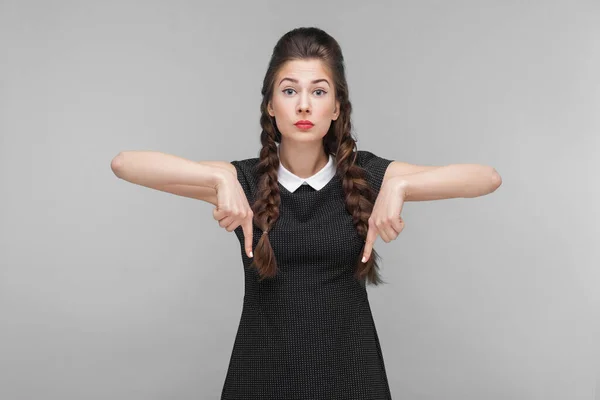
{"points": [[385, 219]]}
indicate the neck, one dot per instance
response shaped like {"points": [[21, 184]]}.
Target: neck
{"points": [[303, 160]]}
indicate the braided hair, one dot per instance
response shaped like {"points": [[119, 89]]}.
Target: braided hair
{"points": [[304, 44]]}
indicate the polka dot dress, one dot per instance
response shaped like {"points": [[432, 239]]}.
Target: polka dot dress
{"points": [[308, 333]]}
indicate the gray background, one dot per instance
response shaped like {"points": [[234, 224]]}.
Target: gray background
{"points": [[110, 290]]}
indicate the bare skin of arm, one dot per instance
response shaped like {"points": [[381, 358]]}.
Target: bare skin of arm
{"points": [[173, 174]]}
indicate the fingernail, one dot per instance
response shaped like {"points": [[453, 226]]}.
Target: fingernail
{"points": [[251, 255], [364, 259]]}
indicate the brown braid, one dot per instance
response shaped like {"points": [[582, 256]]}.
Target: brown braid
{"points": [[298, 44]]}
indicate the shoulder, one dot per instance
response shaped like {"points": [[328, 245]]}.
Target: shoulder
{"points": [[368, 160], [375, 166], [363, 157], [247, 174], [246, 165]]}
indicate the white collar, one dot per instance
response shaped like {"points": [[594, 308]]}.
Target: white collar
{"points": [[292, 182]]}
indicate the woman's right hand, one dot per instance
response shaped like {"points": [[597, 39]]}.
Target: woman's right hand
{"points": [[233, 210]]}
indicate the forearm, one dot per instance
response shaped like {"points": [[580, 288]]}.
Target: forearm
{"points": [[450, 181], [156, 169]]}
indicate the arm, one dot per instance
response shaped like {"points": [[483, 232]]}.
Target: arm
{"points": [[449, 181], [173, 174]]}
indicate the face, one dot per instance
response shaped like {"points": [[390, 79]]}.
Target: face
{"points": [[303, 90]]}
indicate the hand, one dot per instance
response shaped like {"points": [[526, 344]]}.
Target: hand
{"points": [[385, 218], [233, 210]]}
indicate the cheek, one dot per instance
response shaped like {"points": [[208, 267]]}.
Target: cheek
{"points": [[326, 111], [282, 106]]}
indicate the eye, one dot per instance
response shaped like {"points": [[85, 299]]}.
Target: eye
{"points": [[286, 91]]}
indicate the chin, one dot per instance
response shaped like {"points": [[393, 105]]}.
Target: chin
{"points": [[303, 136]]}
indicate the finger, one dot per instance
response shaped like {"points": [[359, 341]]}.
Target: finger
{"points": [[226, 221], [371, 236], [218, 214], [231, 227], [384, 232], [247, 228], [390, 233], [398, 224]]}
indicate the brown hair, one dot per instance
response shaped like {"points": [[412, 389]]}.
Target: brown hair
{"points": [[303, 44]]}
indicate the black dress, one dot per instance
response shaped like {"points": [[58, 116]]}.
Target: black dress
{"points": [[308, 333]]}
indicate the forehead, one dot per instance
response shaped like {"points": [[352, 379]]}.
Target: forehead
{"points": [[304, 69]]}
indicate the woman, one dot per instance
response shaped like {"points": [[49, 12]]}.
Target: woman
{"points": [[306, 213]]}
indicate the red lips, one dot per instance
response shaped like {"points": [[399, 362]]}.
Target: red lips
{"points": [[304, 122]]}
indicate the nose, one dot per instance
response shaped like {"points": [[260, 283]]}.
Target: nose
{"points": [[303, 104]]}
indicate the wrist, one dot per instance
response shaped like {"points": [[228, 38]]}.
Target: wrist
{"points": [[221, 176], [401, 186]]}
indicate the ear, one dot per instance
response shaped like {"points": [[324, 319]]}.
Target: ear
{"points": [[270, 109], [336, 112]]}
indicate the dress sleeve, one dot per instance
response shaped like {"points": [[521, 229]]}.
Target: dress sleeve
{"points": [[374, 166], [246, 176]]}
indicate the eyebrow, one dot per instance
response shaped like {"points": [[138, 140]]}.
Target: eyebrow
{"points": [[313, 82]]}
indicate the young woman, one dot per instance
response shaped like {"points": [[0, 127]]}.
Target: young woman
{"points": [[307, 212]]}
